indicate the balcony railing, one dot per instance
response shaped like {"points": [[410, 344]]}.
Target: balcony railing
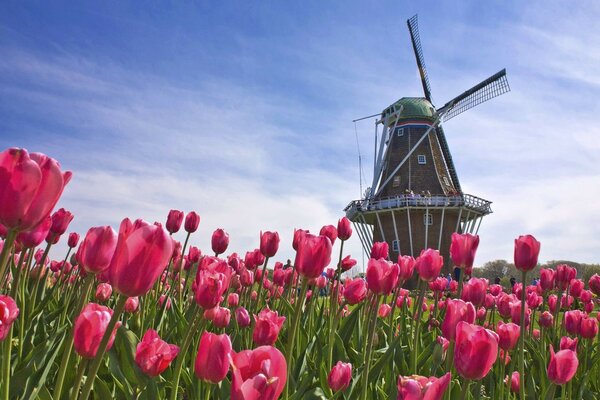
{"points": [[418, 201]]}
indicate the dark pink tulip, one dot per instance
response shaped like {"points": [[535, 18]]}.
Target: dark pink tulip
{"points": [[153, 355], [174, 220], [566, 343], [563, 366], [534, 300], [253, 259], [407, 267], [266, 328], [211, 283], [258, 374], [515, 382], [566, 301], [508, 335], [35, 236], [553, 303], [573, 321], [382, 276], [213, 358], [161, 302], [30, 186], [588, 328], [564, 275], [340, 376], [586, 296], [103, 292], [344, 229], [429, 264], [417, 387], [438, 284], [8, 314], [219, 241], [279, 276], [379, 250], [475, 290], [233, 300], [355, 291], [269, 243], [588, 307], [456, 311], [576, 287], [97, 249], [527, 249], [192, 220], [475, 352], [132, 304], [495, 290], [490, 301], [298, 235], [73, 239], [515, 313], [330, 232], [60, 221], [321, 282], [546, 319], [348, 263], [242, 317], [89, 328], [503, 302], [547, 277], [463, 249], [384, 310], [313, 255], [594, 284], [246, 277], [481, 314], [140, 257], [221, 317]]}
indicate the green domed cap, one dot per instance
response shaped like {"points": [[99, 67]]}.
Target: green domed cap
{"points": [[412, 108]]}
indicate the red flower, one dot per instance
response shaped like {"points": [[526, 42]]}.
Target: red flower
{"points": [[475, 290], [192, 220], [153, 355], [103, 292], [355, 291], [174, 220], [258, 374], [219, 241], [210, 284], [34, 237], [348, 263], [508, 335], [547, 277]]}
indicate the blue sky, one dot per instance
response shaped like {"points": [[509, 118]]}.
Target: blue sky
{"points": [[243, 111]]}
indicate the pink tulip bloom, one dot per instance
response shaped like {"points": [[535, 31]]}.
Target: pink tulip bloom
{"points": [[429, 264], [475, 352], [384, 310], [546, 319], [456, 311], [564, 275], [8, 314], [269, 243], [475, 290], [382, 276], [380, 250], [527, 249], [594, 284], [233, 300], [566, 343], [242, 317], [417, 387], [258, 374], [97, 249], [89, 329], [340, 376], [192, 220], [508, 335], [495, 290], [344, 229], [153, 355], [213, 358], [573, 321], [60, 222], [267, 326], [298, 235], [211, 283], [576, 287], [588, 328], [355, 291], [219, 241], [407, 267], [463, 249], [174, 220], [34, 237], [103, 292], [31, 185], [313, 255], [563, 366], [329, 231], [547, 278], [515, 382], [348, 263], [73, 239], [132, 304]]}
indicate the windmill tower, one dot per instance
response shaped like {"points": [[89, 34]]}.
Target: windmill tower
{"points": [[415, 200]]}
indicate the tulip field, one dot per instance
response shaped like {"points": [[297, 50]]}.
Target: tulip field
{"points": [[139, 312]]}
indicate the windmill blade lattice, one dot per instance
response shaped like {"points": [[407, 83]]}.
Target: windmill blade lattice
{"points": [[493, 86], [413, 28]]}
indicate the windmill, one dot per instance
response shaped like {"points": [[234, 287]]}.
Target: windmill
{"points": [[415, 200]]}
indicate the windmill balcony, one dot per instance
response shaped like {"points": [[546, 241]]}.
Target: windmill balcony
{"points": [[418, 202]]}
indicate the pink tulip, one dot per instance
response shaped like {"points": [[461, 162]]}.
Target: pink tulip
{"points": [[534, 300], [213, 358], [586, 296], [576, 287], [329, 231], [566, 343], [153, 355], [73, 239], [344, 229], [132, 304], [407, 267], [192, 220], [97, 249], [515, 382], [140, 257], [34, 237], [233, 300], [456, 311], [348, 263], [384, 310], [313, 255], [515, 313], [221, 317], [508, 335], [174, 220], [258, 374], [103, 292], [546, 319], [267, 326], [89, 329], [573, 321], [298, 235], [463, 249], [340, 376], [211, 283], [527, 249], [8, 314], [495, 290], [355, 291], [475, 290], [564, 275], [588, 328], [30, 186], [594, 284], [269, 243], [547, 277], [475, 352], [588, 307], [417, 387], [563, 366], [380, 250], [219, 241], [429, 264], [253, 259], [60, 222], [242, 317], [382, 276], [553, 304]]}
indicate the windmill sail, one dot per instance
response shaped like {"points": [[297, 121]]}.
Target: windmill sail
{"points": [[413, 28], [493, 86]]}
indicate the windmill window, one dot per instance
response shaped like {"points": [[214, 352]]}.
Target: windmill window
{"points": [[396, 182], [421, 159], [427, 219], [446, 181], [400, 131], [396, 246]]}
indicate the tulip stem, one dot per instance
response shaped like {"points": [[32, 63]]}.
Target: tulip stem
{"points": [[417, 321], [186, 343], [87, 388], [260, 286], [333, 307], [82, 366], [372, 324], [8, 242], [522, 338], [465, 390], [6, 364], [292, 333]]}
